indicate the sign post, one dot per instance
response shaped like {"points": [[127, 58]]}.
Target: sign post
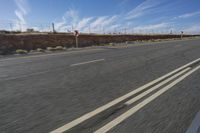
{"points": [[181, 34], [76, 34]]}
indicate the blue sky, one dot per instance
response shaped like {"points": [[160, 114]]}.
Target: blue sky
{"points": [[145, 16]]}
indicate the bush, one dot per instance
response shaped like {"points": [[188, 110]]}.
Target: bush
{"points": [[50, 49], [40, 50], [21, 51], [59, 48], [112, 44]]}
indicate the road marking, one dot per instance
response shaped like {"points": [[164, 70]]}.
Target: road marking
{"points": [[87, 62], [134, 109], [50, 54], [100, 109], [131, 101], [195, 126], [3, 76], [15, 63], [178, 45], [24, 76]]}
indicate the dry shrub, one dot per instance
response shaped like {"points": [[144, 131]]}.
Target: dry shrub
{"points": [[21, 51]]}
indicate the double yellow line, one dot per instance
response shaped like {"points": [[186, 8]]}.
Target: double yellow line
{"points": [[159, 85]]}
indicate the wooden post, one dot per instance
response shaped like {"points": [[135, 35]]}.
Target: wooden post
{"points": [[76, 41], [53, 27]]}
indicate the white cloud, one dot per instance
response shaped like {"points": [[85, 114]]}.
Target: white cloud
{"points": [[20, 17], [110, 20], [114, 28], [21, 11], [69, 20], [104, 21], [194, 29], [59, 25], [101, 24], [84, 23], [188, 15], [154, 27], [72, 16], [98, 21], [142, 9]]}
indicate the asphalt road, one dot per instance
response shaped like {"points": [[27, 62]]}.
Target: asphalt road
{"points": [[41, 93]]}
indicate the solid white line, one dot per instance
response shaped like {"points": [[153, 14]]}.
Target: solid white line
{"points": [[133, 110], [87, 62], [195, 126], [24, 76], [3, 76], [131, 101], [14, 63], [50, 54], [116, 101]]}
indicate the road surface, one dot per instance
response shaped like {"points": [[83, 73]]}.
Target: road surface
{"points": [[139, 89]]}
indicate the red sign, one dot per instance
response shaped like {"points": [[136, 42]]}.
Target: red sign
{"points": [[76, 33]]}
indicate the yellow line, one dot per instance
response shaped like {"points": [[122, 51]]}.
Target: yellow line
{"points": [[133, 110], [89, 115], [131, 101]]}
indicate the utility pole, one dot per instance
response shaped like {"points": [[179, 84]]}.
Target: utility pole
{"points": [[11, 27], [171, 32], [125, 31], [53, 27]]}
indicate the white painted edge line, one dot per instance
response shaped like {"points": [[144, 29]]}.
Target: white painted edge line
{"points": [[15, 63], [87, 62], [131, 101], [115, 101], [195, 126], [134, 109], [3, 76], [24, 76], [49, 54]]}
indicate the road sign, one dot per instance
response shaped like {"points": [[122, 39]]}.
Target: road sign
{"points": [[182, 34], [76, 34]]}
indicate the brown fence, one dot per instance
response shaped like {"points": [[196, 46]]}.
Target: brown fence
{"points": [[11, 42]]}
